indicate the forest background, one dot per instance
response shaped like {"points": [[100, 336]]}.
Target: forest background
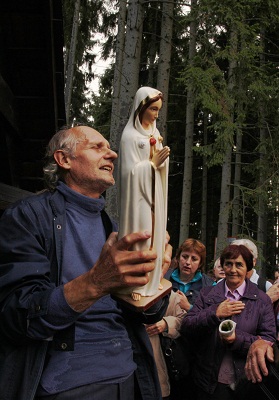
{"points": [[217, 64]]}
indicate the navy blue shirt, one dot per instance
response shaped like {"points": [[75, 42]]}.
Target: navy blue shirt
{"points": [[100, 333]]}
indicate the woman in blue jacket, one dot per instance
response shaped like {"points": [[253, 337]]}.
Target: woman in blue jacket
{"points": [[219, 362], [188, 276]]}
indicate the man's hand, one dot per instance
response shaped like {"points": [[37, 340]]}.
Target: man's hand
{"points": [[256, 364], [167, 256], [117, 267], [273, 292]]}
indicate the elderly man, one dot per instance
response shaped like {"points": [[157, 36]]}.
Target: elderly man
{"points": [[62, 334]]}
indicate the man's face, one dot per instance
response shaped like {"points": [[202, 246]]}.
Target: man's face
{"points": [[90, 171]]}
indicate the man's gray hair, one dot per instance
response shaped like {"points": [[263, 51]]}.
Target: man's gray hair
{"points": [[65, 139]]}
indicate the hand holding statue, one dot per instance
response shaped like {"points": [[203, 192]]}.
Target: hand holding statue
{"points": [[117, 267]]}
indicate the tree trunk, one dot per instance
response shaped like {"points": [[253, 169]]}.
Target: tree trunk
{"points": [[224, 212], [188, 155], [128, 86], [119, 55], [224, 202], [262, 213], [71, 62], [236, 189], [204, 185], [165, 63], [152, 51], [131, 61]]}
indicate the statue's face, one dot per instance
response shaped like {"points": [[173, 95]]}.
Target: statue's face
{"points": [[151, 114]]}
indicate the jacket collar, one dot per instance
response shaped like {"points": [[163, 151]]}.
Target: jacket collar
{"points": [[57, 203], [217, 293]]}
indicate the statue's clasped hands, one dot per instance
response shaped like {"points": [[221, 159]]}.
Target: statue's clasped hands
{"points": [[160, 156]]}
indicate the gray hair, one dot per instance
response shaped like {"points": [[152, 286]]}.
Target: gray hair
{"points": [[65, 139], [249, 244], [217, 262]]}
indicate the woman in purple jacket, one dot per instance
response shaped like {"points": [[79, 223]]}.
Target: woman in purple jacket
{"points": [[219, 362]]}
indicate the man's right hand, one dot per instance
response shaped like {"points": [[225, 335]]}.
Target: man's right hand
{"points": [[255, 365], [118, 267]]}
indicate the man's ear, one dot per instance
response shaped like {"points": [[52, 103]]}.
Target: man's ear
{"points": [[63, 161]]}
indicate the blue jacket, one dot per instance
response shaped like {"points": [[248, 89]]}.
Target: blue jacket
{"points": [[31, 245], [201, 324], [195, 287]]}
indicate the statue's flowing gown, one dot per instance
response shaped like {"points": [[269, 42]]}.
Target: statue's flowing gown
{"points": [[136, 197]]}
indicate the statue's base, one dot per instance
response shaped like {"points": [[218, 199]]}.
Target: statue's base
{"points": [[146, 301]]}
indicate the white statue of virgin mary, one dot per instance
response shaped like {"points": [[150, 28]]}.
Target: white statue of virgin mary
{"points": [[143, 181]]}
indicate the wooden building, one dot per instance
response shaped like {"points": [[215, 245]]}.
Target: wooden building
{"points": [[31, 91]]}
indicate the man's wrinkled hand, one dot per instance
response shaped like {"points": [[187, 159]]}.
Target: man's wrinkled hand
{"points": [[167, 256], [120, 267], [117, 267], [255, 365]]}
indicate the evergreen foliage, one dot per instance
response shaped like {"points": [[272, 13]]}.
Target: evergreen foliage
{"points": [[230, 103]]}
